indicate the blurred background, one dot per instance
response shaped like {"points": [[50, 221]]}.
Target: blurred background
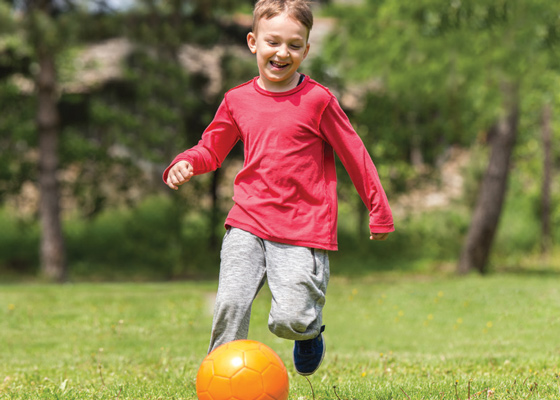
{"points": [[457, 102]]}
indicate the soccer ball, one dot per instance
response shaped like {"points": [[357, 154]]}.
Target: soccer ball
{"points": [[242, 370]]}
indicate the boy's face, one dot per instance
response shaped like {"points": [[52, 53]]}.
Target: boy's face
{"points": [[280, 45]]}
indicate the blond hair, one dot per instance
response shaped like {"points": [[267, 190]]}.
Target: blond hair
{"points": [[297, 9]]}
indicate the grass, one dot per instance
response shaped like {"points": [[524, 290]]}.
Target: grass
{"points": [[388, 337]]}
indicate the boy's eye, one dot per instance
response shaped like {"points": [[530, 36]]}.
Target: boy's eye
{"points": [[296, 46], [270, 42]]}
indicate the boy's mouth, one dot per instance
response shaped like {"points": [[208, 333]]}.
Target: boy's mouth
{"points": [[278, 65]]}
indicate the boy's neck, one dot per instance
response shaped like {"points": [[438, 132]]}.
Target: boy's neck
{"points": [[283, 86]]}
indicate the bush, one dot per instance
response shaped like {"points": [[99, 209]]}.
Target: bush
{"points": [[421, 242], [19, 245], [519, 232], [162, 240], [146, 242]]}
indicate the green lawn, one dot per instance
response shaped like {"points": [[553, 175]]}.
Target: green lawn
{"points": [[388, 337]]}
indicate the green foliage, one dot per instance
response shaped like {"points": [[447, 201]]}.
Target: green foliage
{"points": [[152, 241], [136, 124], [17, 138], [432, 74], [19, 246], [437, 68], [519, 235], [147, 242], [422, 242], [395, 127], [520, 231], [51, 31], [203, 22], [160, 100], [155, 111], [7, 23], [432, 70], [164, 238]]}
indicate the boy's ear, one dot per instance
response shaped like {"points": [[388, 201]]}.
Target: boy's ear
{"points": [[306, 50], [252, 42]]}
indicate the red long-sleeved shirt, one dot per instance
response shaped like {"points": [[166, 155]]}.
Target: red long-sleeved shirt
{"points": [[286, 190]]}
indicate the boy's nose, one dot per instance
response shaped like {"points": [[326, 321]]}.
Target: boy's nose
{"points": [[283, 52]]}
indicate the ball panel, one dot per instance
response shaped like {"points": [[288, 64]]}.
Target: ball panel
{"points": [[275, 382], [256, 360], [247, 384], [204, 375], [220, 388], [203, 396], [218, 352], [271, 355], [228, 363], [244, 345]]}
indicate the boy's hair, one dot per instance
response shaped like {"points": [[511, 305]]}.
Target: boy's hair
{"points": [[297, 9]]}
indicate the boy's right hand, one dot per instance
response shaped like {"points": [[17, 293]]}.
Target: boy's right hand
{"points": [[180, 173], [378, 236]]}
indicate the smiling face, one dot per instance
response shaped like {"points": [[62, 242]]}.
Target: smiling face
{"points": [[280, 44]]}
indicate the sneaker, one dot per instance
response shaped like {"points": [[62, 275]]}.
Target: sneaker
{"points": [[308, 354]]}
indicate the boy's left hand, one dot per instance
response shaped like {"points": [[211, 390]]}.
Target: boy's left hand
{"points": [[378, 236]]}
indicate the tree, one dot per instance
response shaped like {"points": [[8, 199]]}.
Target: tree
{"points": [[170, 106], [493, 190], [114, 129], [43, 33], [461, 57]]}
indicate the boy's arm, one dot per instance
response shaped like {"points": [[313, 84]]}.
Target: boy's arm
{"points": [[340, 134], [217, 141]]}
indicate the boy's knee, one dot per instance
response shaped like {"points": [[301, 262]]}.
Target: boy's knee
{"points": [[287, 328], [294, 326]]}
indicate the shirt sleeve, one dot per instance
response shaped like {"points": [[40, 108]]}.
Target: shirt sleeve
{"points": [[217, 141], [339, 133]]}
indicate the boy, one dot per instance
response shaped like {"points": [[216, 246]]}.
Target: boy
{"points": [[284, 217]]}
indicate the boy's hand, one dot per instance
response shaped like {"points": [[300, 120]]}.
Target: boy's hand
{"points": [[378, 236], [180, 173]]}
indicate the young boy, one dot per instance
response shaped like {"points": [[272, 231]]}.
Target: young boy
{"points": [[284, 218]]}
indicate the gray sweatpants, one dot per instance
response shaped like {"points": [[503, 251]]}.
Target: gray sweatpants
{"points": [[297, 277]]}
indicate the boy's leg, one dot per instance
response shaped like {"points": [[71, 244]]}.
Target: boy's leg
{"points": [[298, 279], [242, 275]]}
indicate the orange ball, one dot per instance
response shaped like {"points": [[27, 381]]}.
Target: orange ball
{"points": [[242, 370]]}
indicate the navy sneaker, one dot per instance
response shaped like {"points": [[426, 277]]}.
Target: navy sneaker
{"points": [[308, 354]]}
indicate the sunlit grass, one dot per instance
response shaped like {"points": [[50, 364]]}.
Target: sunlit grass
{"points": [[387, 337]]}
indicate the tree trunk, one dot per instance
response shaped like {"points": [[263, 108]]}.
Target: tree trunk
{"points": [[416, 156], [52, 249], [546, 238], [484, 223]]}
